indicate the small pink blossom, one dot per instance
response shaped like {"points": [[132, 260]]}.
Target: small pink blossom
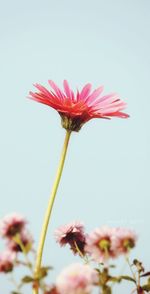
{"points": [[72, 234], [76, 109], [51, 290], [77, 279], [7, 259], [100, 244], [26, 240], [125, 239], [11, 225]]}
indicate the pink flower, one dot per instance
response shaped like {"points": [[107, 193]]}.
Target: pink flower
{"points": [[125, 239], [77, 109], [51, 290], [72, 234], [7, 259], [11, 225], [101, 244], [26, 240], [76, 279]]}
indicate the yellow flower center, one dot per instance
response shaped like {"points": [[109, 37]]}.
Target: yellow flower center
{"points": [[128, 244], [104, 244]]}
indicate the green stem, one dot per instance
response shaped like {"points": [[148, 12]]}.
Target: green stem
{"points": [[78, 250], [49, 209], [85, 258], [18, 241], [133, 274]]}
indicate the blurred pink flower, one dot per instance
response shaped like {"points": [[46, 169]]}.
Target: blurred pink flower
{"points": [[77, 109], [11, 224], [76, 279], [51, 290], [101, 244], [72, 234], [7, 259], [125, 239], [26, 240]]}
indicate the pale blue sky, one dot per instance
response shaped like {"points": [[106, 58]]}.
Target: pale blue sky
{"points": [[106, 176]]}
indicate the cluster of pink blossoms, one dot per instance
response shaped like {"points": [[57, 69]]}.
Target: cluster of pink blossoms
{"points": [[13, 230], [101, 244]]}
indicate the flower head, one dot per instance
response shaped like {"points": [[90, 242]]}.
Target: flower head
{"points": [[72, 234], [51, 290], [77, 109], [22, 242], [101, 244], [7, 259], [76, 279], [125, 240], [11, 225]]}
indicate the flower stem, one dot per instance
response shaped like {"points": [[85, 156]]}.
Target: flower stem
{"points": [[84, 257], [132, 272], [18, 241], [49, 209]]}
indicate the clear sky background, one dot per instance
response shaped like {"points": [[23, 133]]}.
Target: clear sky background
{"points": [[106, 176]]}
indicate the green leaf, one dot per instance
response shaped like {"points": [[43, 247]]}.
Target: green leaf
{"points": [[128, 278], [146, 287], [115, 279], [106, 290], [44, 271], [47, 268], [145, 275], [98, 270], [112, 266], [27, 279]]}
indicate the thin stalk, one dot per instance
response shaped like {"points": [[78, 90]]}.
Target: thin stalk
{"points": [[85, 258], [132, 272], [78, 249], [18, 241], [49, 209]]}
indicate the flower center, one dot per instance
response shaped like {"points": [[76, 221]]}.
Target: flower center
{"points": [[104, 245], [128, 244], [14, 229]]}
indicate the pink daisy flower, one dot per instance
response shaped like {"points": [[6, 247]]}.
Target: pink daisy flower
{"points": [[77, 279], [72, 234], [11, 225], [101, 244], [26, 240], [125, 240], [77, 109], [7, 259]]}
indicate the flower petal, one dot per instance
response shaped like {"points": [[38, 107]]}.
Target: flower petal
{"points": [[95, 94], [69, 93], [58, 92], [85, 91]]}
